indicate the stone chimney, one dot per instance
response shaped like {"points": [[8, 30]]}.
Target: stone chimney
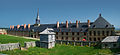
{"points": [[88, 23], [61, 22], [66, 24], [13, 27], [76, 23], [57, 24], [10, 27], [79, 21], [24, 26], [18, 26], [70, 22], [28, 26]]}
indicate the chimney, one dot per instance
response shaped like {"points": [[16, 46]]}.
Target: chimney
{"points": [[28, 25], [66, 24], [70, 22], [24, 26], [88, 23], [10, 27], [76, 23], [13, 27], [57, 24], [79, 21], [18, 26], [61, 22], [60, 30]]}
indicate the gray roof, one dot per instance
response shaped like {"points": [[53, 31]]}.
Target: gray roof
{"points": [[112, 39], [101, 23], [48, 31], [83, 27]]}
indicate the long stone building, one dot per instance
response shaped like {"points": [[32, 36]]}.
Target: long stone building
{"points": [[79, 31]]}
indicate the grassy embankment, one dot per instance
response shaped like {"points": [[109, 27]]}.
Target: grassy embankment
{"points": [[58, 50]]}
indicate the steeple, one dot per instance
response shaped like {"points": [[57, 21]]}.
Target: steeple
{"points": [[100, 15], [37, 18], [38, 14]]}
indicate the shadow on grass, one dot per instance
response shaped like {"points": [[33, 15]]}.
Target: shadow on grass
{"points": [[37, 43], [115, 50]]}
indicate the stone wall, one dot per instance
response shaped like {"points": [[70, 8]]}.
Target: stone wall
{"points": [[10, 46], [30, 44]]}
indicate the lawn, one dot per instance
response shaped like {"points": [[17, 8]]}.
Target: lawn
{"points": [[11, 39], [57, 50]]}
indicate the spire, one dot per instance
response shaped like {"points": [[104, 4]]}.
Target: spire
{"points": [[37, 18], [100, 15], [38, 14]]}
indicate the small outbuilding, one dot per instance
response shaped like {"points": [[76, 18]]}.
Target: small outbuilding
{"points": [[47, 38], [111, 42]]}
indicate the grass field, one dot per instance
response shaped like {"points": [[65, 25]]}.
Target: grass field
{"points": [[58, 50], [10, 39]]}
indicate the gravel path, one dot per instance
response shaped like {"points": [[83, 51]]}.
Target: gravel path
{"points": [[25, 37]]}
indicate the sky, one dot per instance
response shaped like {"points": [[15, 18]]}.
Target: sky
{"points": [[14, 12]]}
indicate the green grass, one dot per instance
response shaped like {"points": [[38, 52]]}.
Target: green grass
{"points": [[60, 50], [11, 39], [57, 50]]}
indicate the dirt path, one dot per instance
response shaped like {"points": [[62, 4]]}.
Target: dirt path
{"points": [[25, 37]]}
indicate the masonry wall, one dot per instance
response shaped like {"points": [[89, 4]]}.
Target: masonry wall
{"points": [[77, 36], [98, 34], [10, 46]]}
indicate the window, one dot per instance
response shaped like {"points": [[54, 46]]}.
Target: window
{"points": [[94, 33], [90, 39], [73, 38], [62, 38], [103, 33], [62, 33], [56, 37], [106, 26], [107, 33], [56, 33], [66, 38], [90, 33], [103, 37], [84, 33], [72, 33], [66, 33], [77, 33], [94, 26], [114, 45], [78, 38], [98, 33], [106, 45], [111, 32], [98, 39], [94, 39]]}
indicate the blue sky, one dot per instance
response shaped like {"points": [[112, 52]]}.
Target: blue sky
{"points": [[13, 12]]}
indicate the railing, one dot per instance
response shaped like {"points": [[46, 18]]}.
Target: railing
{"points": [[77, 43]]}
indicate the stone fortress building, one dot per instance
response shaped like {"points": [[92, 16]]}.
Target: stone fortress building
{"points": [[87, 31]]}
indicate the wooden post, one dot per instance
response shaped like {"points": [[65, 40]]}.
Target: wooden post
{"points": [[61, 42], [89, 44], [67, 42], [81, 43], [74, 43]]}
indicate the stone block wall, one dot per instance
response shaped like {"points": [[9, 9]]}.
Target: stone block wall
{"points": [[30, 44], [10, 46]]}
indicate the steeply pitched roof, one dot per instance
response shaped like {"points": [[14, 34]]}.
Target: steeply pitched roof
{"points": [[48, 31], [101, 23], [112, 39]]}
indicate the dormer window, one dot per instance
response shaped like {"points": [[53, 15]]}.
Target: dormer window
{"points": [[94, 26], [106, 26], [80, 29]]}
